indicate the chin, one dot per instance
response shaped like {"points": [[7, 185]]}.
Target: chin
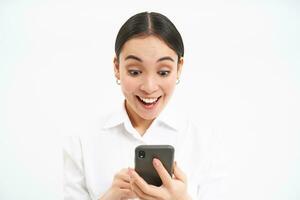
{"points": [[148, 117]]}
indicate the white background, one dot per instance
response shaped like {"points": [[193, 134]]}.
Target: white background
{"points": [[241, 77]]}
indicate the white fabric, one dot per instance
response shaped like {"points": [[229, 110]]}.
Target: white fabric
{"points": [[92, 159]]}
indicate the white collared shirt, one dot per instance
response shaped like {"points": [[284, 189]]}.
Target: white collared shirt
{"points": [[92, 160]]}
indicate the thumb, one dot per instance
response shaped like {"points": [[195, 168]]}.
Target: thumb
{"points": [[179, 174]]}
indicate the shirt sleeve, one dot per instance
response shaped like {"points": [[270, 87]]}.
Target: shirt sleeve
{"points": [[74, 179]]}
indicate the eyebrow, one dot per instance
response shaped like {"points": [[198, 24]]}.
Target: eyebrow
{"points": [[140, 60], [134, 58], [165, 58]]}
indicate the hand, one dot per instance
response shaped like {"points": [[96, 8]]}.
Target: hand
{"points": [[172, 188], [120, 188]]}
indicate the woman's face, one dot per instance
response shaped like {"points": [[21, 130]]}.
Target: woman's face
{"points": [[148, 70]]}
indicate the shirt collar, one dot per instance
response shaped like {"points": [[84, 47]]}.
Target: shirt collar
{"points": [[170, 116]]}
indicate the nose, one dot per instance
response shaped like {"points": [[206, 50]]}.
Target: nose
{"points": [[149, 85]]}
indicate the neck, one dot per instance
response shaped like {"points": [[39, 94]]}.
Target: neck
{"points": [[140, 124]]}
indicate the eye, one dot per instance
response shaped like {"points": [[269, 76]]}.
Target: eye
{"points": [[134, 72], [164, 73]]}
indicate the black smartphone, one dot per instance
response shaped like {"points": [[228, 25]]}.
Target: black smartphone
{"points": [[144, 155]]}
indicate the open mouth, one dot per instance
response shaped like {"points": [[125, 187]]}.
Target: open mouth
{"points": [[148, 101]]}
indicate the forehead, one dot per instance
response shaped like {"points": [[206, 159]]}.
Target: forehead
{"points": [[147, 48]]}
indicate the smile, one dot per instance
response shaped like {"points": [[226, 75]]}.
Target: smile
{"points": [[148, 101]]}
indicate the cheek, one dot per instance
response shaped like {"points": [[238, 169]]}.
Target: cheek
{"points": [[169, 87], [128, 86]]}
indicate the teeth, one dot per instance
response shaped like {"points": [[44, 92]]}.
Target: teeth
{"points": [[148, 100]]}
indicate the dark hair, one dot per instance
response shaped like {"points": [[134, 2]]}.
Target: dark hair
{"points": [[152, 23]]}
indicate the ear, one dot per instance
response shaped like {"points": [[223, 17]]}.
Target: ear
{"points": [[116, 68], [179, 67]]}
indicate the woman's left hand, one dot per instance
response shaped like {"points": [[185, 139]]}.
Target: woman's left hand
{"points": [[172, 188]]}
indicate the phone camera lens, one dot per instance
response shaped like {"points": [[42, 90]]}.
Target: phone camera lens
{"points": [[141, 154]]}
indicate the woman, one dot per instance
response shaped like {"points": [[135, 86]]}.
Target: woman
{"points": [[147, 65]]}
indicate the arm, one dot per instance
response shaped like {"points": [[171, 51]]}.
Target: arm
{"points": [[74, 180]]}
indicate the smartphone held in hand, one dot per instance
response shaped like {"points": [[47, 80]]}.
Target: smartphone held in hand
{"points": [[144, 155]]}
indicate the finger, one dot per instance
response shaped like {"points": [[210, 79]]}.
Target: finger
{"points": [[125, 178], [162, 172], [140, 193], [127, 193], [143, 185], [123, 175], [121, 184], [179, 174]]}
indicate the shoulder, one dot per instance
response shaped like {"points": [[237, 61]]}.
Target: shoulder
{"points": [[72, 141], [71, 147]]}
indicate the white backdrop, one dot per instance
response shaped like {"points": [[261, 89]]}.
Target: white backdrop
{"points": [[241, 78]]}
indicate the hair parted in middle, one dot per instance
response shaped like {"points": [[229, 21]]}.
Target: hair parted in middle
{"points": [[146, 24]]}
